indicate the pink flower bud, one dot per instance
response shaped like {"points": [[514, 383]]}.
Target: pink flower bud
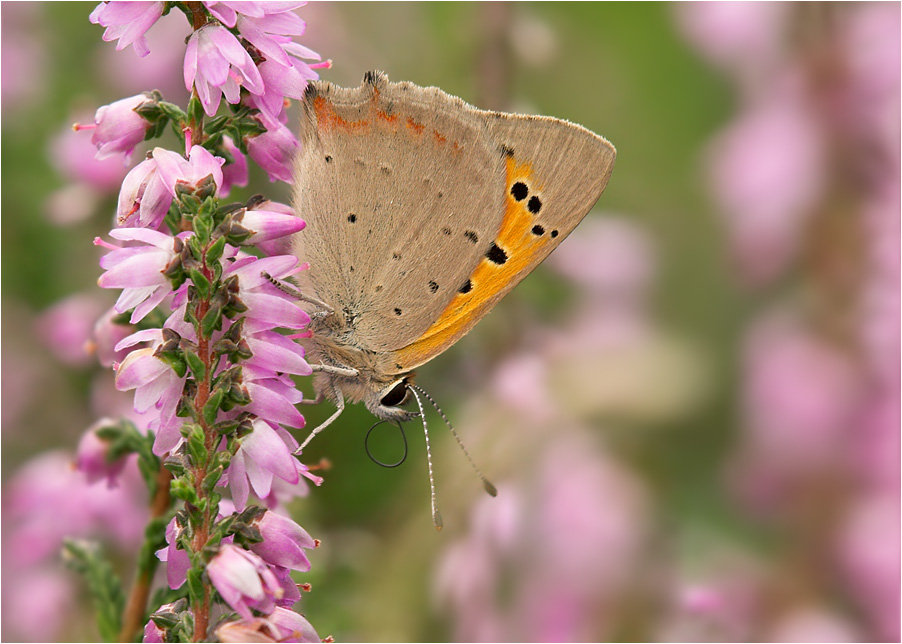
{"points": [[119, 128], [92, 456]]}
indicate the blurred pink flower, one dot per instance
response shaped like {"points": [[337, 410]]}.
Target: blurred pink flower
{"points": [[869, 554], [74, 156], [132, 75], [42, 620], [813, 624], [24, 55], [234, 171], [47, 500], [799, 397], [739, 36], [610, 256], [92, 456], [767, 176], [67, 327], [543, 561]]}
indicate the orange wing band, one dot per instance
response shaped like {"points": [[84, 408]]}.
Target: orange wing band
{"points": [[520, 240]]}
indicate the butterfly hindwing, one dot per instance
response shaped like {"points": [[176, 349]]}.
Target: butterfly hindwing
{"points": [[554, 172]]}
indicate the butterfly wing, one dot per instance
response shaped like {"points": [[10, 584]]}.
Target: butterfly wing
{"points": [[554, 172], [398, 186]]}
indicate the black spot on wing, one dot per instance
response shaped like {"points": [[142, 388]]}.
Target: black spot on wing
{"points": [[519, 191], [538, 230], [554, 233], [496, 254], [472, 236], [466, 288], [352, 218], [433, 286], [534, 205]]}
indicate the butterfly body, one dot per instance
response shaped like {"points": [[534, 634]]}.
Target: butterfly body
{"points": [[422, 212]]}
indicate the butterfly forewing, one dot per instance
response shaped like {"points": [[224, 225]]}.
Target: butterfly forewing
{"points": [[398, 185]]}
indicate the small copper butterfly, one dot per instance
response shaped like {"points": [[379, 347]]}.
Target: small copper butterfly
{"points": [[422, 212]]}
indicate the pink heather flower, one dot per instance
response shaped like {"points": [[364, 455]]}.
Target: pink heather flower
{"points": [[274, 151], [268, 307], [92, 456], [216, 64], [244, 581], [234, 171], [285, 74], [267, 225], [127, 22], [262, 455], [273, 396], [67, 327], [156, 386], [292, 593], [118, 128], [283, 542], [153, 634], [279, 245], [282, 625], [175, 169], [276, 353], [138, 270], [143, 193], [177, 560]]}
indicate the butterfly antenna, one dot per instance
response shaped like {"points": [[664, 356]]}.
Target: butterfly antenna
{"points": [[491, 489], [436, 517]]}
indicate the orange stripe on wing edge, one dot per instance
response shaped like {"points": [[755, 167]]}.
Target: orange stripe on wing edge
{"points": [[519, 244]]}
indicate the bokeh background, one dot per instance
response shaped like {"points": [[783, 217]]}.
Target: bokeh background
{"points": [[691, 410]]}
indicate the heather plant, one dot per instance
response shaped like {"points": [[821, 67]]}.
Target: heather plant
{"points": [[201, 334]]}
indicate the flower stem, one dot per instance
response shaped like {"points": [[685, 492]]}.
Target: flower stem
{"points": [[136, 606], [202, 531]]}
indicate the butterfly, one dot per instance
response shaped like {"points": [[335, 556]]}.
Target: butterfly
{"points": [[422, 212]]}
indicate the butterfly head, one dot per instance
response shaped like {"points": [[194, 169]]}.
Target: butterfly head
{"points": [[385, 403]]}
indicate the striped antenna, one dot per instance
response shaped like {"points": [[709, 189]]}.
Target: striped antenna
{"points": [[491, 489], [436, 517]]}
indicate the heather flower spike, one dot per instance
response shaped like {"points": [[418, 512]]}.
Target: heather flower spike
{"points": [[206, 360]]}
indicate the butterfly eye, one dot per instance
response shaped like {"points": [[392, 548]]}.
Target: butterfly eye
{"points": [[396, 395]]}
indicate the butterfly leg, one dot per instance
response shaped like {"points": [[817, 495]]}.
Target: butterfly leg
{"points": [[340, 403], [295, 293]]}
